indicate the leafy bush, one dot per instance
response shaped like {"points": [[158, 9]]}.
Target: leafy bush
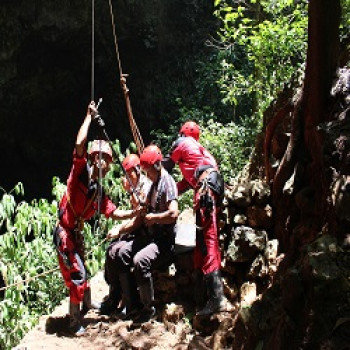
{"points": [[262, 47], [231, 144], [27, 250]]}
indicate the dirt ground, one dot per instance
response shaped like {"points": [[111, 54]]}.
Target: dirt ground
{"points": [[171, 330], [103, 332]]}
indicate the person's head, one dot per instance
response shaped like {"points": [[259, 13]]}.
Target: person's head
{"points": [[190, 128], [151, 162], [131, 165], [102, 146]]}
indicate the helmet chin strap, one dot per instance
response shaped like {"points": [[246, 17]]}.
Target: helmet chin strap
{"points": [[157, 166]]}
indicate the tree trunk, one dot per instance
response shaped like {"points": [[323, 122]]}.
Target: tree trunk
{"points": [[311, 185], [305, 306]]}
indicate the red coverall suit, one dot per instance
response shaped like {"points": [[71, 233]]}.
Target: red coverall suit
{"points": [[78, 204], [196, 163]]}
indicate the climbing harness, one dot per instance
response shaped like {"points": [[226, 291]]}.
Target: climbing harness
{"points": [[135, 132]]}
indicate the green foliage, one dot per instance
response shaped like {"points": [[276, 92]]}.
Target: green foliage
{"points": [[28, 259], [345, 21], [26, 250], [231, 144], [262, 48]]}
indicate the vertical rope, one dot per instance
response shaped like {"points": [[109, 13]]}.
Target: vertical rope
{"points": [[92, 50], [115, 38], [134, 128], [99, 189], [99, 184]]}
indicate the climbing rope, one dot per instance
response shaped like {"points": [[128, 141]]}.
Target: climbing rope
{"points": [[134, 128], [99, 189], [92, 50], [135, 131]]}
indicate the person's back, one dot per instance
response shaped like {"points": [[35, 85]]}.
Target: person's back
{"points": [[200, 172], [191, 156]]}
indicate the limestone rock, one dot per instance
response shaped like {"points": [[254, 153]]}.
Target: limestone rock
{"points": [[248, 294], [259, 267], [198, 343], [206, 324], [271, 251], [260, 192], [240, 219], [173, 313], [246, 243], [260, 216], [239, 195]]}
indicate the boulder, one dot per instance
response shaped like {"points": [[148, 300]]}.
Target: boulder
{"points": [[246, 243], [260, 217]]}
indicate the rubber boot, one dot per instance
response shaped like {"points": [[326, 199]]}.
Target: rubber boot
{"points": [[131, 305], [148, 311], [217, 300], [75, 319], [199, 293], [88, 303], [112, 302]]}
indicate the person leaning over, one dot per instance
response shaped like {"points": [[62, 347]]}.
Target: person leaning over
{"points": [[79, 203], [200, 172], [155, 239], [138, 190]]}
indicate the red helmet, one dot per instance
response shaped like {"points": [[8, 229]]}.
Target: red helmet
{"points": [[150, 155], [131, 161], [190, 128], [102, 145]]}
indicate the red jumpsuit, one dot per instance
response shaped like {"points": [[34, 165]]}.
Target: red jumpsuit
{"points": [[192, 158], [78, 204]]}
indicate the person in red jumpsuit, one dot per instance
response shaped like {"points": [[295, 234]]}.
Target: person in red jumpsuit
{"points": [[79, 203], [200, 172]]}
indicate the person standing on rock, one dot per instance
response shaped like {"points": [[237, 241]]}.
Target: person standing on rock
{"points": [[138, 190], [155, 238], [79, 203], [200, 172]]}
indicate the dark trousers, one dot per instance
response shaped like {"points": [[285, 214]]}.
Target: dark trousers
{"points": [[111, 266], [144, 253]]}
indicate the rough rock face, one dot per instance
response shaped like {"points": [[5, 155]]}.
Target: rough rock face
{"points": [[246, 243], [307, 304], [250, 252], [314, 293]]}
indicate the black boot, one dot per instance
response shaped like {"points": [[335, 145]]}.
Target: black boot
{"points": [[217, 300], [112, 302], [129, 295], [75, 319], [199, 293], [148, 311], [88, 303]]}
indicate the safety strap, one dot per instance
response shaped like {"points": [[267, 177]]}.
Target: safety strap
{"points": [[80, 218]]}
